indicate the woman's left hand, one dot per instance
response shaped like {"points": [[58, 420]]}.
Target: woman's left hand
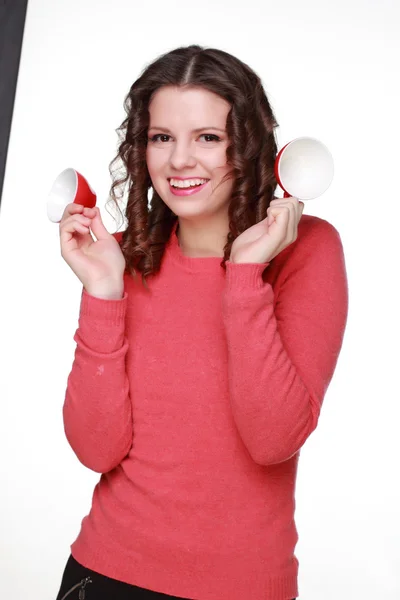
{"points": [[261, 242]]}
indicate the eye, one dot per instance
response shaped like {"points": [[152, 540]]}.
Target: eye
{"points": [[160, 137], [210, 137]]}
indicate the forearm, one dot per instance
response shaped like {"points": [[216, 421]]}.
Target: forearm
{"points": [[283, 349], [97, 408], [272, 408]]}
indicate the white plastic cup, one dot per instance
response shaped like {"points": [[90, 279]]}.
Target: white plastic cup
{"points": [[70, 186], [304, 168]]}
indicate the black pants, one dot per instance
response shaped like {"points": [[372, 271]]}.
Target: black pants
{"points": [[102, 587]]}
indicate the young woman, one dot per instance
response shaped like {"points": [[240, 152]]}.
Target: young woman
{"points": [[195, 385]]}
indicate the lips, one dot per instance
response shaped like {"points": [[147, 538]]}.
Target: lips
{"points": [[187, 191]]}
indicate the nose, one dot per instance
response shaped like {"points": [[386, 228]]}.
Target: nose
{"points": [[182, 156]]}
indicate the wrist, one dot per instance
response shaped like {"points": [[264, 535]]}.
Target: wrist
{"points": [[105, 292]]}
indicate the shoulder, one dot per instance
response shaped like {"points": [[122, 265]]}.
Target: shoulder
{"points": [[317, 239], [314, 233], [315, 228]]}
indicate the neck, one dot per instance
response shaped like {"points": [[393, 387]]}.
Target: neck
{"points": [[200, 241]]}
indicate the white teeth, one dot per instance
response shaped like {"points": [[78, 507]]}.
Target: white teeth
{"points": [[187, 182]]}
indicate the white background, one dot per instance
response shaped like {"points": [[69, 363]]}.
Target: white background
{"points": [[330, 69]]}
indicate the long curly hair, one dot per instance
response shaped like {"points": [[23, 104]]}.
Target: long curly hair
{"points": [[251, 151]]}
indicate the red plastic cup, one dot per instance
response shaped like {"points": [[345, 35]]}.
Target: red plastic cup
{"points": [[70, 186], [304, 168]]}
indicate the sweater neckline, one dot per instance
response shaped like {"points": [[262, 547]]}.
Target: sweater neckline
{"points": [[190, 263]]}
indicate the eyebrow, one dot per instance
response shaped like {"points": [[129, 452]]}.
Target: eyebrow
{"points": [[193, 130]]}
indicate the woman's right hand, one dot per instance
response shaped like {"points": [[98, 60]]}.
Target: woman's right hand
{"points": [[100, 264]]}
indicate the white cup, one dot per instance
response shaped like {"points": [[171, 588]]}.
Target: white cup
{"points": [[69, 186], [304, 168]]}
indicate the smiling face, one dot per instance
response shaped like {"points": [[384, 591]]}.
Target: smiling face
{"points": [[186, 151]]}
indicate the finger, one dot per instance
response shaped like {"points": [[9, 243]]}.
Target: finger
{"points": [[75, 224], [98, 227], [296, 207], [71, 209], [286, 220], [296, 220], [281, 214], [280, 207], [89, 212], [77, 219]]}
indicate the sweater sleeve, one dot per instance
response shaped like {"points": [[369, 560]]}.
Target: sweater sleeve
{"points": [[97, 408], [281, 358]]}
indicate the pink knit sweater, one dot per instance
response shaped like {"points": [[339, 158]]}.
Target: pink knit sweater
{"points": [[193, 400]]}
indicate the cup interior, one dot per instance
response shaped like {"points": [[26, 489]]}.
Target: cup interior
{"points": [[65, 185], [63, 192], [305, 168]]}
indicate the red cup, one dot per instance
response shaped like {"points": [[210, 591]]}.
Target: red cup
{"points": [[70, 186], [304, 168]]}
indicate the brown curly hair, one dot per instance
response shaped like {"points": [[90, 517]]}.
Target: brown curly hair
{"points": [[251, 152]]}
